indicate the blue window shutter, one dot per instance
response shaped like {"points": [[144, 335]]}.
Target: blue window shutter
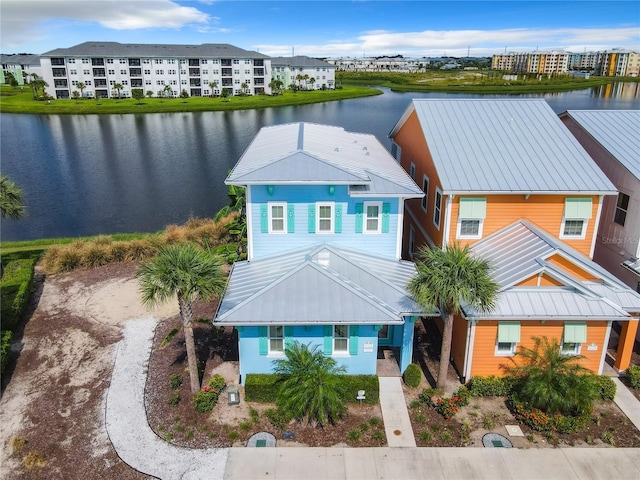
{"points": [[338, 224], [312, 219], [263, 341], [359, 210], [288, 335], [264, 219], [290, 218], [328, 339], [353, 340], [386, 208]]}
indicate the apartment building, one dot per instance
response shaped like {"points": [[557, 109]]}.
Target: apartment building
{"points": [[200, 70], [20, 66], [314, 74]]}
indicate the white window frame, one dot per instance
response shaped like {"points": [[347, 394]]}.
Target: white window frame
{"points": [[425, 189], [273, 336], [332, 207], [270, 206], [574, 237], [503, 352], [378, 229], [437, 208], [577, 347], [336, 350], [474, 236], [412, 170]]}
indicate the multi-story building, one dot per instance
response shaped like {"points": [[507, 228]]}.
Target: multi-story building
{"points": [[200, 70], [613, 63], [20, 66], [507, 178], [305, 72]]}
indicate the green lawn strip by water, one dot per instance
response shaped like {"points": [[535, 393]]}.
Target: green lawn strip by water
{"points": [[23, 102]]}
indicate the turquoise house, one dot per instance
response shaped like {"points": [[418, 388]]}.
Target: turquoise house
{"points": [[324, 231]]}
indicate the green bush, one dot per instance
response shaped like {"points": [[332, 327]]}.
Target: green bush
{"points": [[369, 383], [633, 374], [490, 386], [5, 350], [412, 375], [543, 422], [278, 417], [175, 380], [262, 387], [15, 289], [604, 386], [207, 398]]}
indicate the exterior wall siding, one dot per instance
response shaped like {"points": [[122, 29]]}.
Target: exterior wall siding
{"points": [[265, 244]]}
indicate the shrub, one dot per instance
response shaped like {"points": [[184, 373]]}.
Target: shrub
{"points": [[277, 417], [427, 395], [461, 397], [604, 386], [490, 386], [15, 289], [254, 414], [633, 374], [5, 350], [244, 425], [375, 421], [540, 421], [426, 436], [412, 376], [96, 254], [175, 380], [369, 383], [262, 387], [174, 399], [446, 407], [34, 460], [207, 398]]}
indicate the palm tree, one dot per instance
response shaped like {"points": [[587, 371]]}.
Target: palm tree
{"points": [[214, 86], [81, 86], [244, 87], [32, 84], [168, 91], [552, 381], [118, 87], [448, 279], [10, 199], [312, 80], [312, 387], [188, 273]]}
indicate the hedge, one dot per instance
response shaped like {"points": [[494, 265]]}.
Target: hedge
{"points": [[412, 375], [15, 289], [633, 373], [5, 350], [264, 387], [604, 386], [490, 386]]}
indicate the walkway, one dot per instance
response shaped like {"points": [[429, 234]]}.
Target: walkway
{"points": [[397, 425], [137, 445], [628, 403]]}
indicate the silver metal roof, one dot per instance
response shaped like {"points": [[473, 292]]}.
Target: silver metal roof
{"points": [[618, 131], [297, 153], [321, 285], [504, 146], [632, 264], [115, 49], [522, 250]]}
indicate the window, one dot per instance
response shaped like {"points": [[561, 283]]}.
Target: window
{"points": [[157, 61], [574, 222], [471, 217], [159, 72], [425, 189], [73, 72], [277, 217], [147, 72], [372, 211], [109, 60], [324, 218], [437, 207], [507, 339], [573, 228], [276, 339], [86, 72], [71, 60], [123, 72], [396, 151], [575, 334], [621, 209], [111, 72], [341, 339], [412, 170]]}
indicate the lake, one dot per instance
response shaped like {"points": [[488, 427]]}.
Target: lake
{"points": [[92, 174]]}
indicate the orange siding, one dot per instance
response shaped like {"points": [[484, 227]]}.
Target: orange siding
{"points": [[571, 268], [414, 149], [486, 363], [545, 211], [543, 281]]}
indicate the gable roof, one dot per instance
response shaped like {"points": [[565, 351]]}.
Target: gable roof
{"points": [[298, 153], [504, 146], [522, 250], [617, 131], [321, 285]]}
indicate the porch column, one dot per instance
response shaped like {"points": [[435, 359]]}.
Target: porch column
{"points": [[406, 352], [625, 345]]}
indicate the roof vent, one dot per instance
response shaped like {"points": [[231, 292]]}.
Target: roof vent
{"points": [[337, 149], [365, 148]]}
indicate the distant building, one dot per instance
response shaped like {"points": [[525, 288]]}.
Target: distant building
{"points": [[21, 66], [287, 69], [201, 70]]}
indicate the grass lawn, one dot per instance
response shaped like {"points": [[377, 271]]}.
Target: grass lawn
{"points": [[20, 100]]}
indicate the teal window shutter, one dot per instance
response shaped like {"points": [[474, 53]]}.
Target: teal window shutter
{"points": [[288, 335], [353, 340], [312, 219], [359, 210], [264, 219], [328, 339], [386, 209], [263, 340], [290, 218], [338, 223]]}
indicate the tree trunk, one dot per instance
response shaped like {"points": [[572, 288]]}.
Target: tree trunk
{"points": [[445, 352], [186, 313]]}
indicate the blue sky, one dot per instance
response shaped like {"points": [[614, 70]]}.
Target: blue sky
{"points": [[326, 28]]}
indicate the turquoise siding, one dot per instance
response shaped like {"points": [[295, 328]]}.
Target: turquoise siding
{"points": [[254, 357], [348, 224]]}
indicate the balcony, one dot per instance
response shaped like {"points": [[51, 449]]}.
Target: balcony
{"points": [[194, 62], [227, 72], [97, 61], [99, 72], [59, 72], [134, 62], [57, 61], [135, 72], [194, 72]]}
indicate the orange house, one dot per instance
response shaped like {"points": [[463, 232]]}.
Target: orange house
{"points": [[508, 178]]}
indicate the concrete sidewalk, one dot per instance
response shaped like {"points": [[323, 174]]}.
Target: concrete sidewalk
{"points": [[397, 425], [628, 403]]}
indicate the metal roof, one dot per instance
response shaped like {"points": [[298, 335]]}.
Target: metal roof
{"points": [[322, 285], [504, 146], [617, 131], [115, 49], [632, 264], [298, 153], [299, 61], [522, 250]]}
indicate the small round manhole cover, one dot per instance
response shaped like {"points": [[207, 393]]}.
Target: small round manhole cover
{"points": [[397, 432], [495, 440]]}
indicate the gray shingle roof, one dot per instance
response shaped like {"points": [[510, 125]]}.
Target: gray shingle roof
{"points": [[115, 49], [618, 131], [18, 59], [299, 61], [321, 285], [310, 153], [504, 146]]}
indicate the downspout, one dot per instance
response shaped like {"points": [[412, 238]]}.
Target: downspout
{"points": [[596, 227], [447, 222], [471, 336], [603, 357], [249, 223], [400, 228]]}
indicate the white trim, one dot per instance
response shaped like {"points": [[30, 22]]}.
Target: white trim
{"points": [[585, 223], [335, 351], [469, 237], [270, 229], [365, 231], [510, 353], [400, 228], [596, 226], [470, 347], [603, 356], [447, 222], [435, 205], [275, 353], [247, 191], [332, 205]]}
